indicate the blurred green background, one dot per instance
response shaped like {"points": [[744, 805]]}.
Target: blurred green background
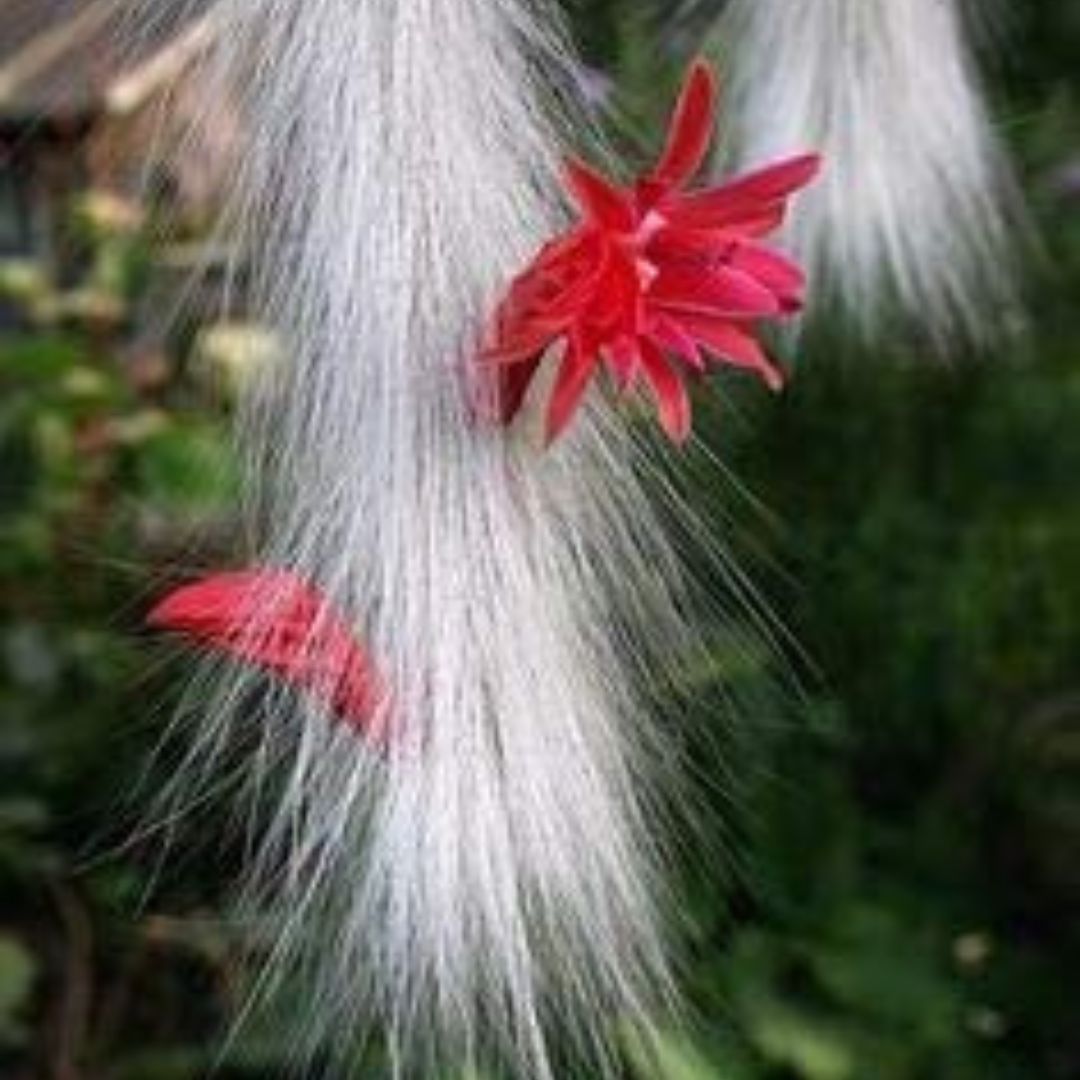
{"points": [[899, 899]]}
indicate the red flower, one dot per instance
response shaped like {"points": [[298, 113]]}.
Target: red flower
{"points": [[274, 619], [654, 280]]}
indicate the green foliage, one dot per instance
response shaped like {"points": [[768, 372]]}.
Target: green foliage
{"points": [[17, 971], [107, 469]]}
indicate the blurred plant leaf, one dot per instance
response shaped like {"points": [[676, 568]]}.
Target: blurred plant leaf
{"points": [[17, 974]]}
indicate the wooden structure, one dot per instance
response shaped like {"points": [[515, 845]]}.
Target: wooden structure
{"points": [[81, 107]]}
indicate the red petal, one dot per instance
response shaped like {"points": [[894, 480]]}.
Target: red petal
{"points": [[668, 334], [624, 360], [733, 345], [276, 620], [746, 220], [690, 131], [672, 401], [750, 197], [718, 291], [601, 201], [702, 247], [521, 339], [570, 386], [514, 381], [773, 270], [775, 181], [553, 290], [222, 607]]}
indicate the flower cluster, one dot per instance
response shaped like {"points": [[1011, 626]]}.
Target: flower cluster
{"points": [[654, 281]]}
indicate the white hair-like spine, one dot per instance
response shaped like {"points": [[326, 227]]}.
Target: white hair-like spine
{"points": [[486, 877], [914, 209]]}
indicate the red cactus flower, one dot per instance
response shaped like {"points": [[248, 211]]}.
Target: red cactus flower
{"points": [[277, 621], [654, 280]]}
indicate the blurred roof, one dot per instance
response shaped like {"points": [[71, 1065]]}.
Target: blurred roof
{"points": [[70, 59]]}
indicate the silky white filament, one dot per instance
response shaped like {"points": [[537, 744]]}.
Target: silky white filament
{"points": [[912, 211], [482, 885]]}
